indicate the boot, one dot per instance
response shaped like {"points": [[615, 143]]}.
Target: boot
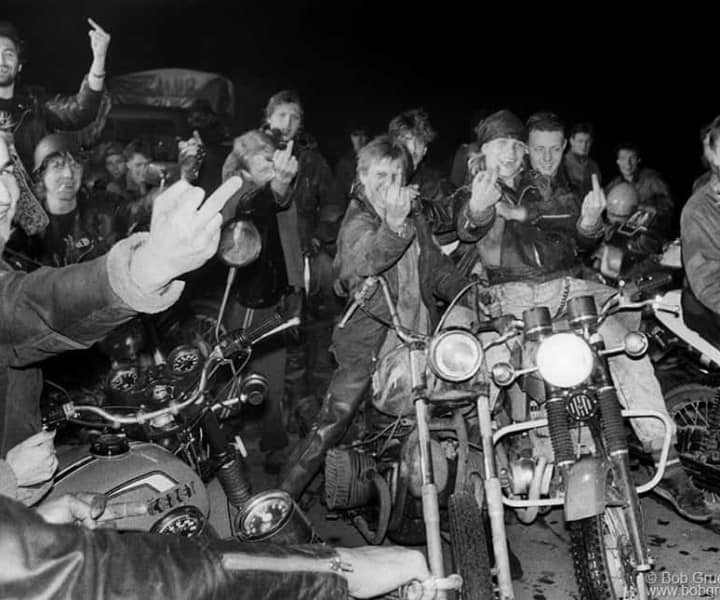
{"points": [[308, 456]]}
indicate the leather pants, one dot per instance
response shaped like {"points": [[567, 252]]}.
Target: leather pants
{"points": [[340, 404]]}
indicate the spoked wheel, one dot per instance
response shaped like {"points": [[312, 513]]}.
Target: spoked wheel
{"points": [[689, 405], [602, 553], [469, 547]]}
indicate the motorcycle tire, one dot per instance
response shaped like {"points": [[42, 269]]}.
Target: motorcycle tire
{"points": [[469, 547], [601, 551], [689, 405]]}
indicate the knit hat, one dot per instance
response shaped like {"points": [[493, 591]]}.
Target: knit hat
{"points": [[501, 124]]}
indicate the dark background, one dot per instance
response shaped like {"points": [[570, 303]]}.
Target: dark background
{"points": [[644, 74]]}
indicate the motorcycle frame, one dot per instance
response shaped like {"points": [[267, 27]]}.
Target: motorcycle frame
{"points": [[628, 414]]}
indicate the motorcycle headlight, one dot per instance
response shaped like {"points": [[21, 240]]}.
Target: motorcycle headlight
{"points": [[264, 514], [455, 355], [564, 360]]}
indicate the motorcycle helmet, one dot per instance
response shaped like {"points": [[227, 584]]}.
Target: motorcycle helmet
{"points": [[50, 145], [622, 201]]}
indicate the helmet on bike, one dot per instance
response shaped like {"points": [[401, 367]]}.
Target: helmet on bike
{"points": [[622, 200]]}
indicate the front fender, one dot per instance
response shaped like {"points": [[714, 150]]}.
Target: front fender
{"points": [[585, 487]]}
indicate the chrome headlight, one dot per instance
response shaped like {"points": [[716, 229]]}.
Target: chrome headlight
{"points": [[264, 514], [455, 355], [564, 360]]}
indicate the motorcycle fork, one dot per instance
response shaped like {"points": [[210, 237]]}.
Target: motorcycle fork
{"points": [[616, 442], [430, 503], [493, 495]]}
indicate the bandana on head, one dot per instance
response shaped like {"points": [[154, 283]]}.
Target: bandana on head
{"points": [[501, 124]]}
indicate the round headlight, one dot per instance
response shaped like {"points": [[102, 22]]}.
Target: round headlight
{"points": [[564, 360], [455, 355], [264, 514]]}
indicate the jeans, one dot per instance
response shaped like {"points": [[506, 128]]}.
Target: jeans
{"points": [[634, 379]]}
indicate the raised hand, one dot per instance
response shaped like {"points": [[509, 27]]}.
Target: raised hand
{"points": [[99, 41], [184, 233], [485, 192], [33, 460], [593, 205], [285, 164], [398, 202]]}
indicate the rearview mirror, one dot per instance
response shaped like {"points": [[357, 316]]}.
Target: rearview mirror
{"points": [[239, 243]]}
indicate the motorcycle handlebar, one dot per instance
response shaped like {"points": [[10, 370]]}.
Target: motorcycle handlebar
{"points": [[231, 343]]}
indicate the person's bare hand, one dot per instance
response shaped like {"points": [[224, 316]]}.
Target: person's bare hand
{"points": [[87, 509], [485, 191], [378, 570], [593, 205], [285, 164], [99, 40], [184, 233], [510, 212], [398, 202], [33, 460]]}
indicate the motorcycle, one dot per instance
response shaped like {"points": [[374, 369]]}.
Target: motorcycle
{"points": [[155, 418], [447, 447], [573, 452], [688, 366]]}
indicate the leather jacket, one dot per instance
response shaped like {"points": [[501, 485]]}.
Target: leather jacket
{"points": [[367, 247], [45, 562], [313, 188], [50, 311], [541, 247], [31, 115], [437, 199]]}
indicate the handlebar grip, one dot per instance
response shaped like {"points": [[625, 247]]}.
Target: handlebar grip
{"points": [[239, 340]]}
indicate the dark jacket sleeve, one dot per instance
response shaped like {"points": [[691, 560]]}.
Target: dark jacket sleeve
{"points": [[699, 226], [45, 562], [367, 247], [447, 280], [72, 112], [53, 310], [471, 228], [314, 188]]}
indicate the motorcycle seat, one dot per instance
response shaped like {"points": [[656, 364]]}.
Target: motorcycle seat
{"points": [[676, 323]]}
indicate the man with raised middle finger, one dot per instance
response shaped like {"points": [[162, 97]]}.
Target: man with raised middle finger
{"points": [[384, 232]]}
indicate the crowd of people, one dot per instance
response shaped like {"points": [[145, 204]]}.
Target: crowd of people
{"points": [[90, 239]]}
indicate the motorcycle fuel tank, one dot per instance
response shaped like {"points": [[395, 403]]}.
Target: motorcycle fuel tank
{"points": [[134, 471]]}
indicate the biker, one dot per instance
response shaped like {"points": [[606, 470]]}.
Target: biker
{"points": [[631, 235], [652, 189], [381, 235], [699, 224], [83, 224], [63, 550], [527, 227]]}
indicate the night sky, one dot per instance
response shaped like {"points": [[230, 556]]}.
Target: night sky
{"points": [[638, 74]]}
